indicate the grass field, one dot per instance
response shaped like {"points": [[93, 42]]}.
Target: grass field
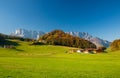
{"points": [[46, 61]]}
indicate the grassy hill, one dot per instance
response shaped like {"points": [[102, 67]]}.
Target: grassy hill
{"points": [[47, 61], [25, 49]]}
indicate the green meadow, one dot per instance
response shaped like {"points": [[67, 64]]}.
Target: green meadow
{"points": [[47, 61]]}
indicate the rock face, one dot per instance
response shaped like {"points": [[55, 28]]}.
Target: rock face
{"points": [[27, 33], [97, 41]]}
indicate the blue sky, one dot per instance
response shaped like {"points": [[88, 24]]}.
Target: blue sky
{"points": [[100, 18]]}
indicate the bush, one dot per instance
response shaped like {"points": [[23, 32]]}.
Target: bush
{"points": [[37, 43]]}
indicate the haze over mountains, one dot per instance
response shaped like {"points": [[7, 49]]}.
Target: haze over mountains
{"points": [[36, 34]]}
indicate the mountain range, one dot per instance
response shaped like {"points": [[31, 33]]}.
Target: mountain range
{"points": [[36, 34], [97, 41], [27, 33]]}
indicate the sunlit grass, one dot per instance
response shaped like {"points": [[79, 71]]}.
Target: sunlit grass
{"points": [[46, 61]]}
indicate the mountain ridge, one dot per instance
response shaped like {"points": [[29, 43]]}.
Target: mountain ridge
{"points": [[27, 33], [96, 40], [36, 34]]}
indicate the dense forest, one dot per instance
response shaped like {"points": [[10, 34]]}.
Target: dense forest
{"points": [[58, 37], [115, 45]]}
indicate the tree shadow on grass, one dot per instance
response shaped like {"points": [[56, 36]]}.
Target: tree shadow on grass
{"points": [[10, 45], [20, 50], [6, 42]]}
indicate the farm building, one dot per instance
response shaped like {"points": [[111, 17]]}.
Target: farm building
{"points": [[86, 51]]}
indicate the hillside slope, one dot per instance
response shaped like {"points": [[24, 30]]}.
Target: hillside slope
{"points": [[24, 49]]}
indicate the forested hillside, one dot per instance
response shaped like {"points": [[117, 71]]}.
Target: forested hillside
{"points": [[115, 45], [58, 37]]}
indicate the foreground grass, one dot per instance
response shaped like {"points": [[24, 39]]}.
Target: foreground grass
{"points": [[52, 62]]}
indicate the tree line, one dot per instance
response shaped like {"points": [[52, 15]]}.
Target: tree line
{"points": [[4, 37]]}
